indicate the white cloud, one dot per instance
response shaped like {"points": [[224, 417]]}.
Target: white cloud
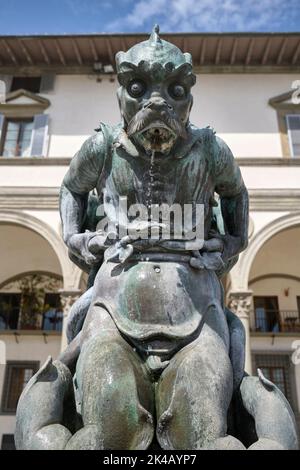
{"points": [[209, 15], [142, 11]]}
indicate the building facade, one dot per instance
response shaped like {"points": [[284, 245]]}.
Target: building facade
{"points": [[58, 89]]}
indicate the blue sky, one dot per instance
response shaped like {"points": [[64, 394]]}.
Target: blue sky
{"points": [[96, 16]]}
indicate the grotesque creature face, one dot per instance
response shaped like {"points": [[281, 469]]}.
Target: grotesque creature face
{"points": [[154, 97]]}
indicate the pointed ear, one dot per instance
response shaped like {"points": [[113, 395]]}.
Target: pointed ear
{"points": [[119, 57], [188, 58]]}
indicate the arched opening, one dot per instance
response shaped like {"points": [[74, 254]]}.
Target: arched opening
{"points": [[275, 281], [30, 281], [52, 241]]}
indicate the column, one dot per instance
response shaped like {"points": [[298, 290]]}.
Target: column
{"points": [[67, 300], [240, 303]]}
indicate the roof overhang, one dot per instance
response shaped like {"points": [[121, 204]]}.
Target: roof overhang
{"points": [[226, 52]]}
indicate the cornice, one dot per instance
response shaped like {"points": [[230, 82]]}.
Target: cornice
{"points": [[47, 198], [65, 161]]}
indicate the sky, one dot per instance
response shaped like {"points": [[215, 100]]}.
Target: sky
{"points": [[130, 16]]}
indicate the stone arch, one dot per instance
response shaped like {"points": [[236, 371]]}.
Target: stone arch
{"points": [[69, 271], [257, 242], [274, 276], [29, 273]]}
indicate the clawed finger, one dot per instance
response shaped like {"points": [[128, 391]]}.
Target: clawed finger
{"points": [[196, 263]]}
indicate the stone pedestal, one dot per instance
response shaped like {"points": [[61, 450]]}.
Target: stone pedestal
{"points": [[240, 303]]}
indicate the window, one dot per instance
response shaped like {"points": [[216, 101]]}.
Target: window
{"points": [[8, 442], [23, 125], [276, 375], [17, 376], [32, 84], [276, 367], [53, 316], [293, 127], [9, 311], [37, 84], [50, 317], [266, 313], [17, 137], [288, 117]]}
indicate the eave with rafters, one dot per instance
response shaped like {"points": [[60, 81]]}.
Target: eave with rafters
{"points": [[211, 52]]}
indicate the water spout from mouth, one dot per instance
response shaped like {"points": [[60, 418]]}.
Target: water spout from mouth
{"points": [[155, 141]]}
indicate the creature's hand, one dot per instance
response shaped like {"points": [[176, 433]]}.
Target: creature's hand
{"points": [[211, 253], [212, 261], [214, 243], [120, 251], [100, 241], [228, 245], [89, 246]]}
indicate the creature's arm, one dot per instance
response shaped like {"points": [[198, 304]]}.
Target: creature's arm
{"points": [[81, 178], [233, 194]]}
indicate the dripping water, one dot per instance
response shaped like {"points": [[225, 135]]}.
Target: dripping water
{"points": [[151, 183], [149, 200]]}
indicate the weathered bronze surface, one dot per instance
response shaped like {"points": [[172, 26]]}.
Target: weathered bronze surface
{"points": [[152, 349]]}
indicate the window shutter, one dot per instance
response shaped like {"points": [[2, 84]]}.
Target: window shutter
{"points": [[8, 442], [39, 138], [293, 127], [47, 83], [2, 91], [1, 124]]}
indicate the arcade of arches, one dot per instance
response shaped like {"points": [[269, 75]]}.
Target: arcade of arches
{"points": [[263, 289]]}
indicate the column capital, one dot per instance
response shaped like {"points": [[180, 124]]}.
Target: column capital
{"points": [[68, 297], [70, 292], [240, 302]]}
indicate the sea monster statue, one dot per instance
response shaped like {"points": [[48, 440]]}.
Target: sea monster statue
{"points": [[154, 360]]}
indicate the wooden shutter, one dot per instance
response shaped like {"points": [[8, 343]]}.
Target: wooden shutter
{"points": [[8, 442], [293, 127], [39, 138], [3, 91], [47, 83], [1, 132]]}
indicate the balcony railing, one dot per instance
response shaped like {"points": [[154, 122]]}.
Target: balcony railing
{"points": [[276, 321], [49, 321]]}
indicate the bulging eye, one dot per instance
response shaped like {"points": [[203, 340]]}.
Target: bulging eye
{"points": [[136, 88], [177, 91]]}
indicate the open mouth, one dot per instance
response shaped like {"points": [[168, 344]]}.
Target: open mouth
{"points": [[157, 136]]}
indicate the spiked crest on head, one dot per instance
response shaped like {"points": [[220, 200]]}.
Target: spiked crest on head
{"points": [[157, 55]]}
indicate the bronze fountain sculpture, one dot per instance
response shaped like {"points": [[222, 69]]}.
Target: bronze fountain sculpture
{"points": [[154, 356]]}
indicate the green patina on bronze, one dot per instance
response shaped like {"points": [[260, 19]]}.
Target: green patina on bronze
{"points": [[154, 56], [152, 350]]}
